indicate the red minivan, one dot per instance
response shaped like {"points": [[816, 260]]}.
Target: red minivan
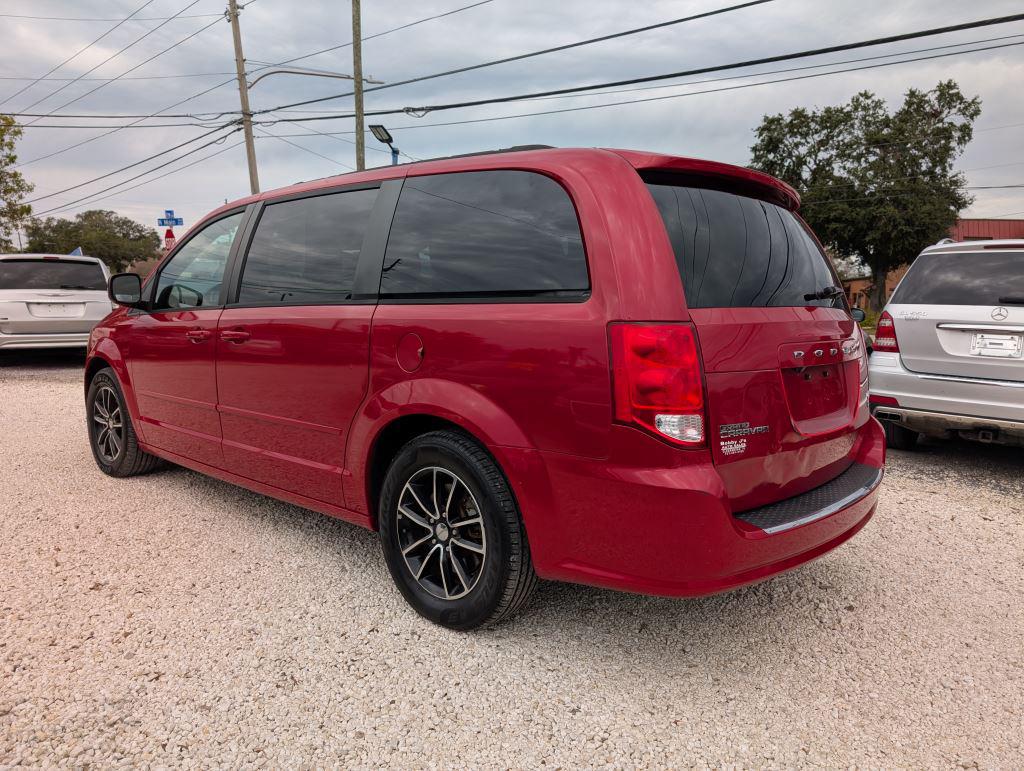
{"points": [[609, 367]]}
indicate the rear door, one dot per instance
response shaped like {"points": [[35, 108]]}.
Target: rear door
{"points": [[783, 368], [961, 314], [293, 343], [51, 295]]}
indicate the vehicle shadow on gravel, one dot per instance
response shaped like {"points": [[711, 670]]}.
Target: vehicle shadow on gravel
{"points": [[804, 607], [44, 359]]}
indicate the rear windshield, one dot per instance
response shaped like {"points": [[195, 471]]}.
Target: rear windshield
{"points": [[739, 252], [964, 278], [51, 274]]}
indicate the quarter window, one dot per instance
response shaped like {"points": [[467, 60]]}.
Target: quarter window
{"points": [[305, 251], [193, 276], [484, 234]]}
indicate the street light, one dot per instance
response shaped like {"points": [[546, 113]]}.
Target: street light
{"points": [[383, 135]]}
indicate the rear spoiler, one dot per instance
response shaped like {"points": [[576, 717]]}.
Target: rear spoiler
{"points": [[675, 170]]}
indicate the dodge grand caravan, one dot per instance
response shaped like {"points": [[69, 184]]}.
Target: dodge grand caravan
{"points": [[615, 368]]}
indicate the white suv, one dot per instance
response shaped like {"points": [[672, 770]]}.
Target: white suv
{"points": [[949, 351], [51, 300]]}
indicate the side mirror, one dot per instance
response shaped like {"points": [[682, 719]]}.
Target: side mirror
{"points": [[858, 315], [125, 289]]}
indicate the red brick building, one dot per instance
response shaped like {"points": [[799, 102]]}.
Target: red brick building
{"points": [[964, 230]]}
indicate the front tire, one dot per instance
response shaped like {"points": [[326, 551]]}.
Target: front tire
{"points": [[899, 437], [111, 434], [452, 535]]}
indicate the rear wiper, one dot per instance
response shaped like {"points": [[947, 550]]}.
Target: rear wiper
{"points": [[825, 293], [1015, 300]]}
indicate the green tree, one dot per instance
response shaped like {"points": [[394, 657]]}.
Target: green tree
{"points": [[13, 187], [118, 241], [876, 185]]}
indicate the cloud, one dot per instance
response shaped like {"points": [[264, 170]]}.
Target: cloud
{"points": [[717, 125]]}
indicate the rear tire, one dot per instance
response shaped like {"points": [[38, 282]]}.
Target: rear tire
{"points": [[452, 535], [112, 437], [899, 437]]}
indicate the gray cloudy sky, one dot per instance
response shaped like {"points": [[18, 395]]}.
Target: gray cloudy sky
{"points": [[717, 125]]}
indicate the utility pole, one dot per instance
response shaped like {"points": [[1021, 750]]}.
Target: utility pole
{"points": [[357, 74], [243, 95]]}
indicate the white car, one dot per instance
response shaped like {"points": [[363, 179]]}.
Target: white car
{"points": [[949, 351], [51, 300]]}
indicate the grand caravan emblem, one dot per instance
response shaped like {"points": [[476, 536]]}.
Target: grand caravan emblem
{"points": [[731, 430], [1000, 313]]}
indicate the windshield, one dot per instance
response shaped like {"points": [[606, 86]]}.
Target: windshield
{"points": [[738, 252], [51, 274], [964, 278]]}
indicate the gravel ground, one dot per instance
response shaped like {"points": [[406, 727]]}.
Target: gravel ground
{"points": [[174, 619]]}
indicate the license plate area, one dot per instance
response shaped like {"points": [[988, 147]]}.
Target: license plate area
{"points": [[997, 346], [55, 310]]}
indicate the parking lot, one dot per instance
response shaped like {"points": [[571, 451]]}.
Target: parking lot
{"points": [[175, 619]]}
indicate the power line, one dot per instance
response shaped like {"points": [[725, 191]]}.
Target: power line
{"points": [[220, 85], [109, 58], [790, 69], [894, 194], [137, 176], [306, 149], [565, 47], [119, 128], [625, 101], [79, 18], [76, 53], [54, 113], [671, 75], [45, 79], [343, 139], [154, 179], [129, 166], [385, 32]]}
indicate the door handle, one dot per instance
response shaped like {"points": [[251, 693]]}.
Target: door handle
{"points": [[234, 335], [198, 335]]}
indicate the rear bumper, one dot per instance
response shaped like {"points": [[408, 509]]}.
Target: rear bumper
{"points": [[68, 340], [977, 401], [670, 531]]}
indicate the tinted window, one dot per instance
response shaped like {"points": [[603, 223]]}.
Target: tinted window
{"points": [[51, 274], [305, 251], [484, 234], [965, 278], [737, 252], [193, 276]]}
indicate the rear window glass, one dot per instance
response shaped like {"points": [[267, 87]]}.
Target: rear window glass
{"points": [[306, 250], [51, 274], [963, 278], [484, 234], [739, 252]]}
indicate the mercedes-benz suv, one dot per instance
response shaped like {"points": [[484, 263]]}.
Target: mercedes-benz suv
{"points": [[949, 351]]}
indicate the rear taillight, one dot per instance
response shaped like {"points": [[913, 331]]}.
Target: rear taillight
{"points": [[885, 401], [885, 334], [657, 380]]}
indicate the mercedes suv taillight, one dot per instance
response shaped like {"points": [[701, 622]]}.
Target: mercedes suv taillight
{"points": [[885, 334], [657, 379]]}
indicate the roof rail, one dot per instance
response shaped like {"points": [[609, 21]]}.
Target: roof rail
{"points": [[513, 149], [943, 241]]}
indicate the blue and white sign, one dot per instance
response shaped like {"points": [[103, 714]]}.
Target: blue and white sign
{"points": [[169, 220]]}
